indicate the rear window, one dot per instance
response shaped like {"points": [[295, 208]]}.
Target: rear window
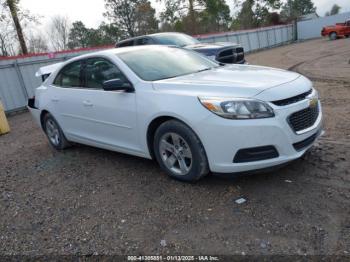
{"points": [[126, 43], [143, 41]]}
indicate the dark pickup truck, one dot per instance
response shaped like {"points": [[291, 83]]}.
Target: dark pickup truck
{"points": [[227, 53]]}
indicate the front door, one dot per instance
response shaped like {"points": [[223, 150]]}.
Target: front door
{"points": [[110, 116]]}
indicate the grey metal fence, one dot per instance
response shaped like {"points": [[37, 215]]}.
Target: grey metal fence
{"points": [[17, 77], [256, 39], [18, 81]]}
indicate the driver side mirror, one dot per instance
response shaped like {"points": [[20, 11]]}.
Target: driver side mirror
{"points": [[117, 84]]}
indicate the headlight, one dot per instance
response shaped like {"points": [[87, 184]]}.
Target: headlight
{"points": [[238, 108]]}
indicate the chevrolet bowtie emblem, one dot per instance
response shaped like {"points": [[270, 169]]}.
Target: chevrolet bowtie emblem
{"points": [[313, 102]]}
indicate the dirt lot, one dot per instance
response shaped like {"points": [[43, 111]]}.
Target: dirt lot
{"points": [[90, 201]]}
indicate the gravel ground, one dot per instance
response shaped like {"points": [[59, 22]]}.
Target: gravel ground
{"points": [[91, 201]]}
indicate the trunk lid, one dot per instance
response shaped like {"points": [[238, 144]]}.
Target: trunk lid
{"points": [[45, 71]]}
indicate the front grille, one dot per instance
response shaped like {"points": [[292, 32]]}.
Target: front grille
{"points": [[304, 118], [231, 55], [255, 154], [292, 100], [305, 143]]}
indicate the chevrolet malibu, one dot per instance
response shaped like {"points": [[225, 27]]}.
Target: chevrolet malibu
{"points": [[186, 111]]}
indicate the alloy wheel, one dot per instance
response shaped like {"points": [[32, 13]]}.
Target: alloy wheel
{"points": [[175, 153], [52, 132]]}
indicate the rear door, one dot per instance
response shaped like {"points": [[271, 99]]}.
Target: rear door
{"points": [[66, 99]]}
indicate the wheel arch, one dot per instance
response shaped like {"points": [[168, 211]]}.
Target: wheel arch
{"points": [[153, 126], [42, 115]]}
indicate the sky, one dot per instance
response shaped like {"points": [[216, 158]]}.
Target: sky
{"points": [[90, 12]]}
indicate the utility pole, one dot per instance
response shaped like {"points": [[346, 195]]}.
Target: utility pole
{"points": [[13, 6], [192, 17]]}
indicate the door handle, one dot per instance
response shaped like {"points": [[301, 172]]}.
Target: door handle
{"points": [[87, 103], [55, 100]]}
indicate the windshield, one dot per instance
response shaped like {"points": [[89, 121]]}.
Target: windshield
{"points": [[162, 63], [176, 39]]}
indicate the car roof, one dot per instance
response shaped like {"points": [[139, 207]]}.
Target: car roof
{"points": [[135, 48], [116, 51], [167, 33], [112, 51]]}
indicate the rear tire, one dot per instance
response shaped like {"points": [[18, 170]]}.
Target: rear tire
{"points": [[54, 133], [333, 36], [179, 151]]}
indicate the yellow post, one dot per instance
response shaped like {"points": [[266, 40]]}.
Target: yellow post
{"points": [[4, 125]]}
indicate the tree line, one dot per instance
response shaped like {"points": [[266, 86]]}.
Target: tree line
{"points": [[129, 18]]}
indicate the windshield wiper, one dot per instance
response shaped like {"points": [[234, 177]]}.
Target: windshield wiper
{"points": [[201, 70], [205, 69]]}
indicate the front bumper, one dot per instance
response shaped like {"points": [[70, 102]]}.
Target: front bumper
{"points": [[223, 138]]}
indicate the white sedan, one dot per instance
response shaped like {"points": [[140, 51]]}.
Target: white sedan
{"points": [[189, 113]]}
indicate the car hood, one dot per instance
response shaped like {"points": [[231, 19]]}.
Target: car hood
{"points": [[229, 80], [212, 48]]}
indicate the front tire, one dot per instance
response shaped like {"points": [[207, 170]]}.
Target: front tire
{"points": [[179, 151], [54, 133], [333, 36]]}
